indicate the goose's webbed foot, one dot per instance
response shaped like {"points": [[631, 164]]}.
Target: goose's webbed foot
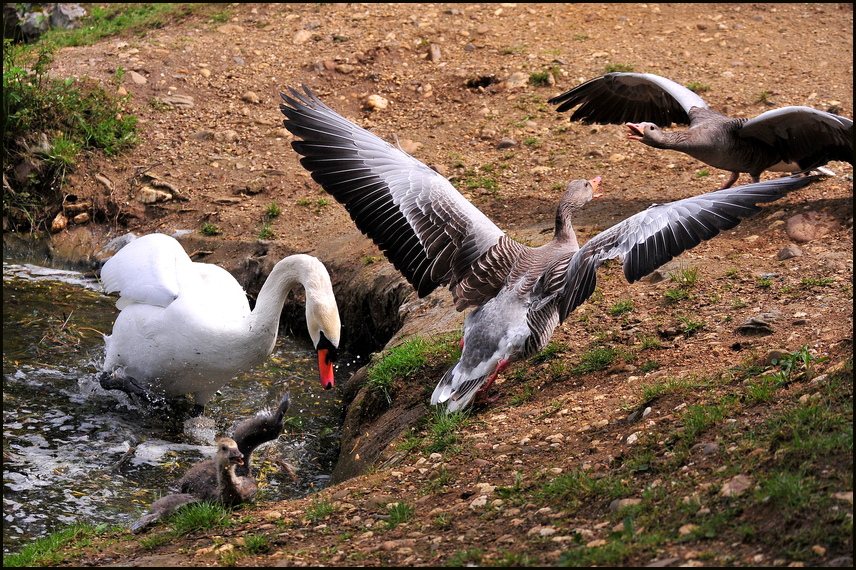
{"points": [[129, 385]]}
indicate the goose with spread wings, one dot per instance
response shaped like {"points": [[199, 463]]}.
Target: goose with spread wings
{"points": [[435, 237], [788, 139]]}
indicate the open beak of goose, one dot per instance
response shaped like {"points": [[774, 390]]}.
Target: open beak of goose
{"points": [[634, 131], [595, 184], [325, 368], [236, 457]]}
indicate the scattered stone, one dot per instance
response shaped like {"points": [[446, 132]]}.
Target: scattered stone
{"points": [[619, 504], [843, 496], [250, 97], [758, 324], [736, 486], [137, 78], [662, 563], [409, 146], [182, 101], [687, 529], [226, 136], [203, 135], [149, 195], [230, 29], [434, 53], [205, 72], [707, 448], [59, 223], [506, 143], [810, 226], [375, 103], [518, 79], [81, 218], [345, 68]]}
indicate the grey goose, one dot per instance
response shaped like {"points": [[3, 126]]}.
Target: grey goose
{"points": [[788, 139], [435, 237]]}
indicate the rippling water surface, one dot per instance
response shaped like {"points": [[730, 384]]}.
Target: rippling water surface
{"points": [[74, 452]]}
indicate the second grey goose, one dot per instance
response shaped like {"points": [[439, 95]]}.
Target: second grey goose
{"points": [[435, 237], [788, 139]]}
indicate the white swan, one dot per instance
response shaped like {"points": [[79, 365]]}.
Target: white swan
{"points": [[187, 328]]}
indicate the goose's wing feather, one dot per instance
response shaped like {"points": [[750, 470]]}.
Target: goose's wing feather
{"points": [[803, 135], [617, 98], [429, 232], [645, 241], [150, 270]]}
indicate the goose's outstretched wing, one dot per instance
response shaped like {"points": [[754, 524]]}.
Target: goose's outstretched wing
{"points": [[424, 226], [803, 135], [645, 241], [618, 98]]}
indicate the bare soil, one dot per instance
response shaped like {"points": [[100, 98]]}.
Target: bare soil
{"points": [[226, 158]]}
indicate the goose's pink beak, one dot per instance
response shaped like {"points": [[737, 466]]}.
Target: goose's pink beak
{"points": [[634, 131], [325, 368], [595, 183]]}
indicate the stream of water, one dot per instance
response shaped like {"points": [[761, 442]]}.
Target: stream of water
{"points": [[75, 452]]}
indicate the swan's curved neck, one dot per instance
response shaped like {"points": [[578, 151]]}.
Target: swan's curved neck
{"points": [[293, 271]]}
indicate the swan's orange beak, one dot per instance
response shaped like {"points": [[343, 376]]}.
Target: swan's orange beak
{"points": [[595, 184], [325, 368]]}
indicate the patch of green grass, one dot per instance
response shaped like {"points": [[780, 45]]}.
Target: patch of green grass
{"points": [[621, 67], [698, 87], [650, 366], [399, 512], [257, 543], [47, 122], [199, 516], [443, 430], [319, 508], [810, 282], [690, 327], [266, 232], [675, 294], [685, 277], [398, 362], [702, 173], [209, 229], [650, 342], [105, 20], [765, 97], [621, 307], [521, 397], [534, 142], [594, 360], [52, 549], [552, 351], [569, 490], [469, 557], [272, 210]]}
